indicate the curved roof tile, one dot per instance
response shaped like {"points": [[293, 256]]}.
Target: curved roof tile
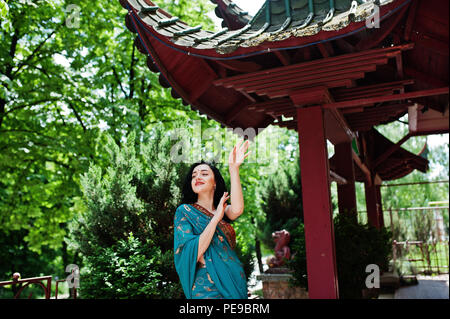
{"points": [[233, 16], [276, 21]]}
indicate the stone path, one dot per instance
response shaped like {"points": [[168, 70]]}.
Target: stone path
{"points": [[428, 288]]}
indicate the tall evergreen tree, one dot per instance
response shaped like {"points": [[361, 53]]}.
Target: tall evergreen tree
{"points": [[126, 233], [282, 201]]}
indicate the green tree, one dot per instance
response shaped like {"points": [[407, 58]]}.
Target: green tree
{"points": [[125, 234], [68, 71], [282, 202], [3, 9]]}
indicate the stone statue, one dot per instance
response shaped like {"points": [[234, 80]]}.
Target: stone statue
{"points": [[282, 251]]}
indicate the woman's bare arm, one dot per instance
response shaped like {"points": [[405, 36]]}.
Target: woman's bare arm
{"points": [[236, 197], [235, 159], [207, 234], [206, 237]]}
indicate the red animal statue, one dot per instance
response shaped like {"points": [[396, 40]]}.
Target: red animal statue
{"points": [[282, 251]]}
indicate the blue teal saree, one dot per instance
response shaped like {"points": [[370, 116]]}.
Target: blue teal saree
{"points": [[223, 276]]}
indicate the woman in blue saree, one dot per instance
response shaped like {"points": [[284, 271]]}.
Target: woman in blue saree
{"points": [[204, 240]]}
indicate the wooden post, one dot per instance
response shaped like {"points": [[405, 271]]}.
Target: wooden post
{"points": [[372, 205], [379, 207], [319, 234], [344, 168]]}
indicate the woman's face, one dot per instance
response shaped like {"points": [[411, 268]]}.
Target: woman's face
{"points": [[203, 179]]}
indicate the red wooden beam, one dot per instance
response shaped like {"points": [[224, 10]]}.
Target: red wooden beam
{"points": [[285, 112], [199, 91], [344, 45], [319, 73], [391, 150], [292, 113], [261, 106], [337, 129], [276, 108], [430, 43], [372, 205], [283, 56], [393, 97], [410, 20], [288, 124], [236, 110], [330, 81], [362, 167], [323, 78], [344, 167], [311, 95], [323, 50], [381, 33], [368, 92], [374, 119], [240, 66], [349, 95], [329, 84], [379, 203], [306, 69], [313, 64], [357, 126], [371, 93], [352, 110], [375, 86], [426, 78], [399, 64], [379, 112], [319, 233]]}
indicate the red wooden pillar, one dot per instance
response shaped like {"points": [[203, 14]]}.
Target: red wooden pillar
{"points": [[373, 204], [380, 207], [319, 234], [345, 169]]}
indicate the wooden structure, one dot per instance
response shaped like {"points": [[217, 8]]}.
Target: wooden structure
{"points": [[325, 68]]}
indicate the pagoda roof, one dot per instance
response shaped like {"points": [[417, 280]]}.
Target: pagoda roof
{"points": [[278, 24], [260, 70], [365, 76], [233, 16], [397, 165]]}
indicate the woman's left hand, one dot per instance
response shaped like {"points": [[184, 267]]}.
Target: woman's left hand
{"points": [[237, 155]]}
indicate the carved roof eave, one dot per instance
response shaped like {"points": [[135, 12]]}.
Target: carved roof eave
{"points": [[247, 41]]}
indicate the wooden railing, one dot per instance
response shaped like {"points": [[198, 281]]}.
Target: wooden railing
{"points": [[45, 282]]}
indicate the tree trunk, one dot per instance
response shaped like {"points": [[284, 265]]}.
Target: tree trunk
{"points": [[259, 255]]}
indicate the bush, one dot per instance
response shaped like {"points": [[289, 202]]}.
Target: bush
{"points": [[127, 270], [125, 233], [357, 246], [247, 258], [282, 203], [298, 261]]}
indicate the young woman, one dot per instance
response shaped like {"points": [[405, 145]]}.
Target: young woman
{"points": [[204, 240]]}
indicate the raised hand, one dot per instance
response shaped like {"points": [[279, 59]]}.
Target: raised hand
{"points": [[237, 155], [220, 210]]}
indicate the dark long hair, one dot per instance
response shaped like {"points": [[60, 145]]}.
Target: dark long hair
{"points": [[188, 195]]}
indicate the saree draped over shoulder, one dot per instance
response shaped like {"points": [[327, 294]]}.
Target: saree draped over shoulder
{"points": [[223, 276]]}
